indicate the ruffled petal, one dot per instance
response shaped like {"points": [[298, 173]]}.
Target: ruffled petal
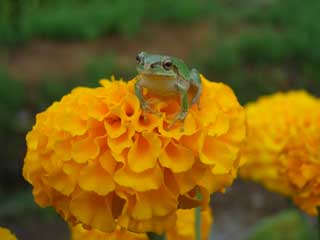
{"points": [[93, 210], [143, 181], [144, 152], [176, 157], [95, 178]]}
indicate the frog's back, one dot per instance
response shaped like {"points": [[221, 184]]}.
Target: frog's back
{"points": [[183, 68]]}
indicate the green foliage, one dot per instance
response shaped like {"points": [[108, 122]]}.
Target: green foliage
{"points": [[255, 47], [104, 67], [179, 11], [12, 98], [53, 88], [288, 225], [99, 68], [17, 204], [90, 19], [50, 90], [21, 205], [224, 57], [296, 22], [264, 47], [11, 21], [83, 20]]}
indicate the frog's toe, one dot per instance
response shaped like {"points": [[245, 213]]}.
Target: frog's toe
{"points": [[197, 102], [147, 109], [173, 123], [198, 106], [181, 116]]}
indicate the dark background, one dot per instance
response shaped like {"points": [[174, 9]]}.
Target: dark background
{"points": [[48, 47]]}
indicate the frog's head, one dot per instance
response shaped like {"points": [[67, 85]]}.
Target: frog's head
{"points": [[155, 65]]}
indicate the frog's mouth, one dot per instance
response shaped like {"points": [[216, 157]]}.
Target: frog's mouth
{"points": [[155, 72], [156, 76]]}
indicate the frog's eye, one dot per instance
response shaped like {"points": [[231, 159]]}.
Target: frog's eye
{"points": [[139, 59], [167, 64]]}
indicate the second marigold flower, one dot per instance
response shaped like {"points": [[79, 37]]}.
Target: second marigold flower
{"points": [[282, 147], [96, 159]]}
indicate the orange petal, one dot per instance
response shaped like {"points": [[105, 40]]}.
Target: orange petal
{"points": [[70, 122], [237, 131], [95, 178], [97, 109], [93, 210], [36, 140], [61, 182], [85, 149], [108, 162], [130, 109], [117, 145], [147, 122], [215, 183], [144, 181], [226, 98], [220, 126], [114, 125], [148, 204], [144, 153], [177, 157], [220, 154], [187, 180], [72, 169], [63, 149]]}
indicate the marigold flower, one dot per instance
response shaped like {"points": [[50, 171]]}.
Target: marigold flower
{"points": [[282, 146], [183, 230], [96, 159], [5, 234]]}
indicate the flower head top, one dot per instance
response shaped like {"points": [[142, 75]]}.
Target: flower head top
{"points": [[183, 230], [282, 146], [99, 161]]}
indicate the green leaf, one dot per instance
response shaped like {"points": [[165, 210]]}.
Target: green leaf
{"points": [[288, 225]]}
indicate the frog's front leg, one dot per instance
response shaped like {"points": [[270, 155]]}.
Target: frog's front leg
{"points": [[183, 87], [144, 105], [196, 82]]}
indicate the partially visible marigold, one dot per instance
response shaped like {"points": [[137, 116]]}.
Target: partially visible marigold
{"points": [[282, 146], [185, 225], [183, 230], [98, 161], [5, 234]]}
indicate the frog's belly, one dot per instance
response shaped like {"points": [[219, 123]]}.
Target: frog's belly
{"points": [[159, 85]]}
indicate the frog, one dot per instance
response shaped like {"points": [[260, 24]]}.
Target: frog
{"points": [[167, 76]]}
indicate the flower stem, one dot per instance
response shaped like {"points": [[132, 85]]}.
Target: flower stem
{"points": [[198, 218], [154, 236], [318, 224], [198, 223]]}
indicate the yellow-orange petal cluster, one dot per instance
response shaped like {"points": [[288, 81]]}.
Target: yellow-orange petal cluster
{"points": [[5, 234], [99, 160], [282, 146], [184, 229]]}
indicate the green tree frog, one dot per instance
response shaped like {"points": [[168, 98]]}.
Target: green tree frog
{"points": [[167, 76]]}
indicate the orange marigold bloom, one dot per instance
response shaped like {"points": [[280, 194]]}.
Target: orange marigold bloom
{"points": [[96, 159], [183, 230], [282, 146], [5, 234]]}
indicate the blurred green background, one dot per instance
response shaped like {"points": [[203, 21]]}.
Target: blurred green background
{"points": [[48, 47]]}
